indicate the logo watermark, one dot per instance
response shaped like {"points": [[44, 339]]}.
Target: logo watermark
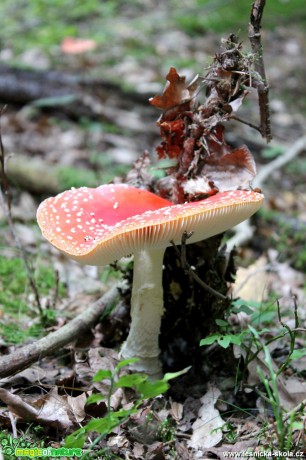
{"points": [[12, 448]]}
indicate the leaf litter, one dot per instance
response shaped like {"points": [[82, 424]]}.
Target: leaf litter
{"points": [[57, 405]]}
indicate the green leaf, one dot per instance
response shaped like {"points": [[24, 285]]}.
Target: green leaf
{"points": [[240, 306], [123, 413], [297, 354], [173, 375], [210, 339], [263, 317], [224, 341], [101, 375], [221, 323], [95, 398], [237, 339], [103, 425], [76, 439], [150, 389], [126, 362], [297, 426], [131, 380]]}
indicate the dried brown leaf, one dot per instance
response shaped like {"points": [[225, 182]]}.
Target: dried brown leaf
{"points": [[53, 410], [230, 171], [176, 91], [77, 406]]}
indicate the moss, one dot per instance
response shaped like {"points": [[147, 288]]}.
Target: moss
{"points": [[15, 300], [75, 177]]}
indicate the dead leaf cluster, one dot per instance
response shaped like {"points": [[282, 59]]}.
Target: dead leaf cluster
{"points": [[193, 134]]}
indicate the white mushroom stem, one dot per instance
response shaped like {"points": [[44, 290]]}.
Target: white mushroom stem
{"points": [[147, 307]]}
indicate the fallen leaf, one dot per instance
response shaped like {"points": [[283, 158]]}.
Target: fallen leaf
{"points": [[77, 406], [182, 451], [241, 447], [251, 283], [176, 410], [138, 450], [207, 428], [53, 410]]}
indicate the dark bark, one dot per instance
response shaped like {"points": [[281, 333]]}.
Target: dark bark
{"points": [[190, 310]]}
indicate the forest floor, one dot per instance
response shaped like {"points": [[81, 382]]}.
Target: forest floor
{"points": [[256, 394]]}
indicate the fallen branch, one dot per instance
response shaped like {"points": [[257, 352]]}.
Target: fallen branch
{"points": [[23, 357], [35, 176], [265, 171], [22, 86]]}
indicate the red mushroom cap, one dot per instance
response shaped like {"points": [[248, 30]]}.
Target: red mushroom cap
{"points": [[99, 226]]}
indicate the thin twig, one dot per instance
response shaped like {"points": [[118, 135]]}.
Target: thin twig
{"points": [[188, 268], [259, 80], [265, 172], [6, 204], [251, 125]]}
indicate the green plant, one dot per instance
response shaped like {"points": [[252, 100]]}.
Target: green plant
{"points": [[284, 425], [141, 383], [253, 341], [166, 430], [16, 302]]}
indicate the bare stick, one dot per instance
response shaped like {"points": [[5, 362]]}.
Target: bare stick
{"points": [[29, 354], [265, 171], [260, 81], [188, 268]]}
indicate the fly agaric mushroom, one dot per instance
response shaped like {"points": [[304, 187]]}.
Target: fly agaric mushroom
{"points": [[99, 226]]}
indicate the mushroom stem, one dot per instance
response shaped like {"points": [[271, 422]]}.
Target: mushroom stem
{"points": [[146, 312]]}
